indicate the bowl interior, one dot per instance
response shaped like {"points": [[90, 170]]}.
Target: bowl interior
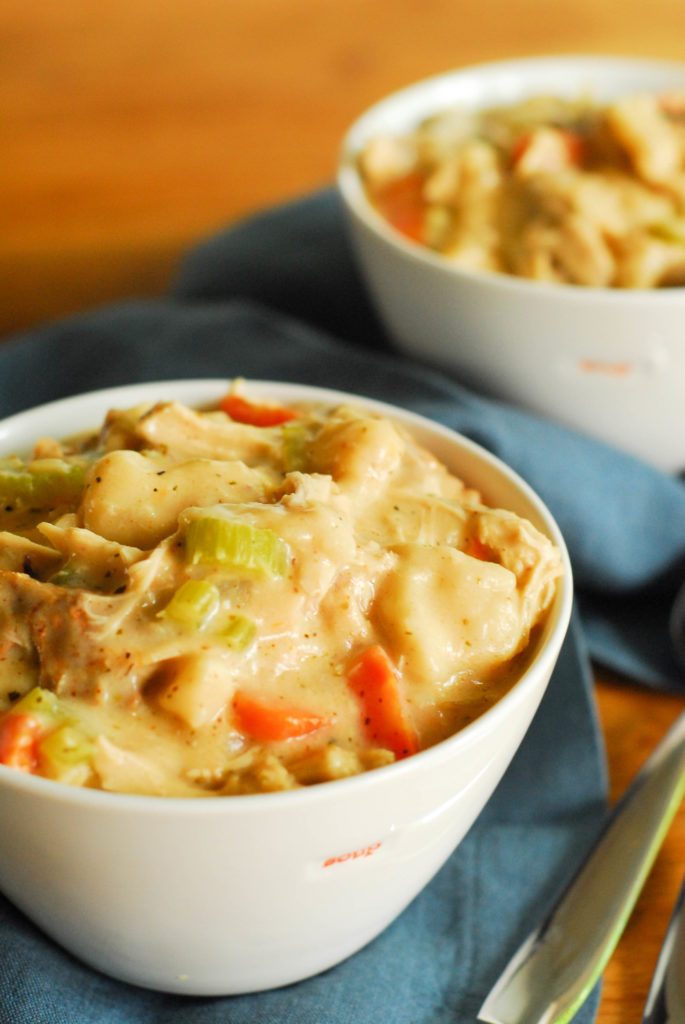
{"points": [[485, 85]]}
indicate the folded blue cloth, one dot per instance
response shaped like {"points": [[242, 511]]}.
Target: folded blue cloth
{"points": [[279, 298]]}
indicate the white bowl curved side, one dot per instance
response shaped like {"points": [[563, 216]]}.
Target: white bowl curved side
{"points": [[223, 896], [606, 362]]}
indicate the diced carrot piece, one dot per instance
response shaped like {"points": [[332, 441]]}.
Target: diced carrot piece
{"points": [[273, 722], [243, 411], [519, 147], [476, 549], [374, 681], [401, 204], [18, 742], [575, 147]]}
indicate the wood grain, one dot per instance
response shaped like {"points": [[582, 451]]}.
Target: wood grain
{"points": [[633, 721], [129, 129]]}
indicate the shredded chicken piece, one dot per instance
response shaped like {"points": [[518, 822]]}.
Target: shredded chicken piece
{"points": [[387, 158], [127, 771], [653, 145], [649, 262], [266, 774], [171, 427], [18, 554]]}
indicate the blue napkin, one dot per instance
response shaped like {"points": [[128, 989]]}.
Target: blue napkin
{"points": [[279, 297]]}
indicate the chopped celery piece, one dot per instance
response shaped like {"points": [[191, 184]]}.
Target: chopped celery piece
{"points": [[240, 545], [16, 485], [194, 604], [65, 755], [295, 438], [670, 230], [55, 480], [70, 575], [239, 632], [41, 704], [41, 482]]}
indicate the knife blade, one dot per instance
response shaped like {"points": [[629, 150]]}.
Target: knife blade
{"points": [[555, 969]]}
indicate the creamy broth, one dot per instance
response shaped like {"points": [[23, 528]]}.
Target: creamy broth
{"points": [[251, 598]]}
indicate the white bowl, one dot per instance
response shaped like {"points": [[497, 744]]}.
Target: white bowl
{"points": [[238, 894], [607, 362]]}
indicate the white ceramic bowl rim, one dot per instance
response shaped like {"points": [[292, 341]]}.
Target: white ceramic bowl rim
{"points": [[207, 390], [480, 76]]}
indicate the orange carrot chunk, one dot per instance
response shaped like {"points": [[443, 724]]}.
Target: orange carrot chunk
{"points": [[18, 742], [273, 722], [520, 145], [374, 681], [401, 203], [243, 411], [476, 549]]}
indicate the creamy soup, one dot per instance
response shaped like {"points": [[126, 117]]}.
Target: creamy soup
{"points": [[250, 598], [568, 192]]}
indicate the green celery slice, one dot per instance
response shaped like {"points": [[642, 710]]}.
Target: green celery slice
{"points": [[228, 542], [16, 486], [670, 230], [70, 575], [65, 753], [194, 604], [239, 632], [41, 704], [39, 483], [295, 441]]}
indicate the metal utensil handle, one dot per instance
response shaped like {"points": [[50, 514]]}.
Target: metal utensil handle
{"points": [[557, 966], [657, 1010]]}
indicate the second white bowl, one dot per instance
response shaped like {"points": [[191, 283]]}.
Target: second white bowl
{"points": [[610, 363]]}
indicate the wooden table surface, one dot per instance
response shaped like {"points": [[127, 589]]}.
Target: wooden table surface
{"points": [[128, 129]]}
